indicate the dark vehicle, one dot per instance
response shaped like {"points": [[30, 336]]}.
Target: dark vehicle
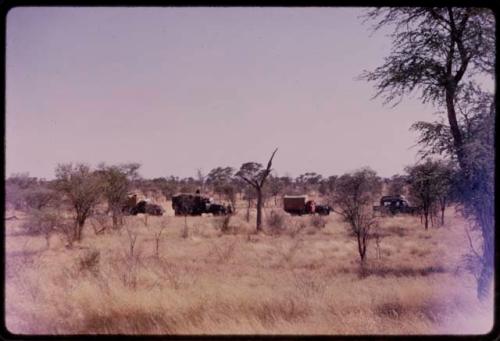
{"points": [[133, 207], [323, 209], [189, 204], [299, 205], [219, 209], [196, 204], [146, 207], [395, 204]]}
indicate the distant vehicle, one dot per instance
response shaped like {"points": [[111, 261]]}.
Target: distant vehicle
{"points": [[395, 204], [134, 207], [144, 206], [196, 204], [299, 205]]}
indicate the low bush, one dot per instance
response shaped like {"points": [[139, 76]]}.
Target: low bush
{"points": [[44, 223], [222, 223], [317, 221], [89, 261], [276, 222]]}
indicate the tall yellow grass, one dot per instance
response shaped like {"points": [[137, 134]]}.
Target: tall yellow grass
{"points": [[206, 282]]}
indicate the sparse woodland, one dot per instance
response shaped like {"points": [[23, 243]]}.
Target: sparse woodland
{"points": [[349, 272], [76, 263]]}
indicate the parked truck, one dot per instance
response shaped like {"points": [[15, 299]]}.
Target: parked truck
{"points": [[133, 206], [196, 204], [300, 205], [395, 204]]}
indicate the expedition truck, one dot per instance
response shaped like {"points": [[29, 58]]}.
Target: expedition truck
{"points": [[300, 204]]}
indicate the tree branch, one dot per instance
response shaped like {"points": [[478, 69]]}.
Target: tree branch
{"points": [[470, 244], [268, 169], [252, 183], [437, 16]]}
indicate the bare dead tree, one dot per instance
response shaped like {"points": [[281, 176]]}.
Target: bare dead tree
{"points": [[157, 236], [253, 174], [132, 238]]}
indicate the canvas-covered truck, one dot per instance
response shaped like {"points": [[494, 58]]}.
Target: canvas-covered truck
{"points": [[300, 204], [395, 204], [196, 204], [133, 206]]}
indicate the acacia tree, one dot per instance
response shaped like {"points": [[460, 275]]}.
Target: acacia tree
{"points": [[429, 185], [249, 196], [230, 192], [438, 52], [308, 180], [167, 187], [188, 185], [18, 186], [353, 199], [219, 178], [115, 186], [276, 187], [83, 188], [253, 174], [445, 181], [397, 185], [39, 196], [327, 185]]}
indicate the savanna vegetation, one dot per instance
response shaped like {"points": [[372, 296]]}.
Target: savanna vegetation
{"points": [[76, 263], [350, 272]]}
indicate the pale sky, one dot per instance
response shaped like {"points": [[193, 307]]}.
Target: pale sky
{"points": [[178, 89]]}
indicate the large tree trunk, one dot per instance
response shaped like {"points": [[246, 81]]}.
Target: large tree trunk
{"points": [[426, 217], [487, 224], [115, 220], [259, 209], [454, 128], [361, 245], [248, 210], [116, 215], [78, 229], [485, 220], [485, 278]]}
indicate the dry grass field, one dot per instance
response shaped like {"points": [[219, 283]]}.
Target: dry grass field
{"points": [[300, 281]]}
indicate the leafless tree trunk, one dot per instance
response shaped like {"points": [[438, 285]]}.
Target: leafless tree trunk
{"points": [[157, 236], [426, 216], [132, 238], [442, 202], [79, 228], [259, 208], [257, 182], [249, 202]]}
